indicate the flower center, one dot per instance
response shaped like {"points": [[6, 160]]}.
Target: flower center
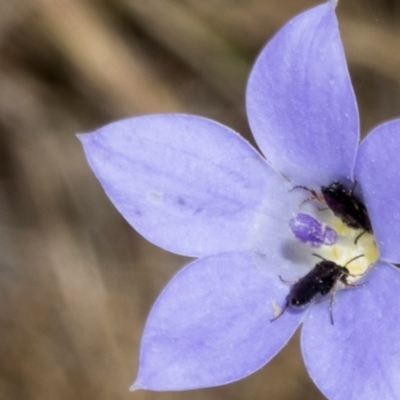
{"points": [[341, 230], [350, 243]]}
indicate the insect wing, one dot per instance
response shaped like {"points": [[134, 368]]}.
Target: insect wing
{"points": [[346, 206], [320, 280]]}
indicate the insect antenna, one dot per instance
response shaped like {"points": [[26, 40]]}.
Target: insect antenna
{"points": [[353, 259], [348, 262], [358, 236], [317, 255]]}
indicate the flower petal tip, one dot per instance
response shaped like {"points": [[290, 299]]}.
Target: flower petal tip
{"points": [[83, 137], [304, 64], [135, 387], [334, 3]]}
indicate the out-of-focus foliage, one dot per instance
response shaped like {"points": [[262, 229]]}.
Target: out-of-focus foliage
{"points": [[76, 281]]}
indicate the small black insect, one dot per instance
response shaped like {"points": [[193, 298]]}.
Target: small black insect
{"points": [[321, 280], [344, 204]]}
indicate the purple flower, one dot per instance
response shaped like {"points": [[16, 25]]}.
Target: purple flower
{"points": [[195, 187], [311, 231]]}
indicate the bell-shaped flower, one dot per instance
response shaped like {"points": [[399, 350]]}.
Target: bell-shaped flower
{"points": [[195, 187]]}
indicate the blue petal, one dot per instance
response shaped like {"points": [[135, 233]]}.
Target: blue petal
{"points": [[359, 356], [301, 104], [189, 185], [211, 325], [378, 172]]}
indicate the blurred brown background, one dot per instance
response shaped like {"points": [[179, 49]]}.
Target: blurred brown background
{"points": [[76, 281]]}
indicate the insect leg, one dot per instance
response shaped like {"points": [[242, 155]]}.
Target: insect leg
{"points": [[352, 284], [288, 282], [312, 191], [315, 195], [354, 187], [331, 303]]}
